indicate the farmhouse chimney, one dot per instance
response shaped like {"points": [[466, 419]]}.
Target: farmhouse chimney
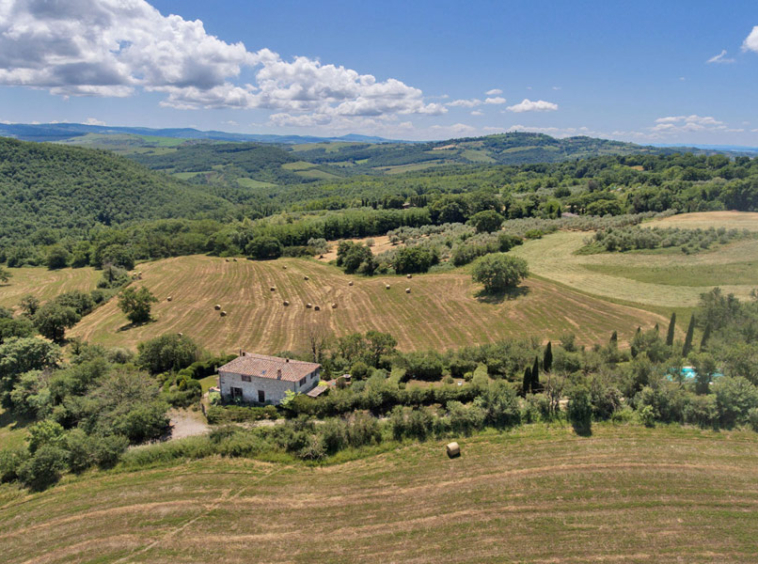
{"points": [[286, 360], [279, 374]]}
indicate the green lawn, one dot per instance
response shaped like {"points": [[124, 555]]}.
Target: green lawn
{"points": [[685, 275]]}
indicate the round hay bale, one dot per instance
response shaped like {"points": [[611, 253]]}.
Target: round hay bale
{"points": [[309, 305], [227, 260], [316, 308], [321, 256], [273, 289], [217, 307], [235, 260], [386, 286], [286, 303], [169, 298], [407, 290], [334, 306], [284, 267], [350, 283], [409, 276], [180, 334], [306, 278], [453, 450], [223, 314]]}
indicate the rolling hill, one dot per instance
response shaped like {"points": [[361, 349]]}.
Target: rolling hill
{"points": [[45, 186]]}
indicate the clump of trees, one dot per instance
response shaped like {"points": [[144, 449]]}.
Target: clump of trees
{"points": [[499, 272]]}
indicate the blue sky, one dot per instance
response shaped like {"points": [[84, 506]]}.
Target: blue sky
{"points": [[635, 71]]}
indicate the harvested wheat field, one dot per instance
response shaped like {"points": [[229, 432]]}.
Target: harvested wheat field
{"points": [[536, 494], [659, 280], [45, 284], [441, 312]]}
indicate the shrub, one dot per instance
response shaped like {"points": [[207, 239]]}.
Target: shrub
{"points": [[167, 353], [579, 409], [44, 468]]}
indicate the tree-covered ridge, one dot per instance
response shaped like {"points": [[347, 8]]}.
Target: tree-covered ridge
{"points": [[66, 189], [264, 163]]}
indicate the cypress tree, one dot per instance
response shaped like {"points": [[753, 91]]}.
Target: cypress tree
{"points": [[688, 339], [672, 329], [536, 375], [547, 360], [706, 336], [527, 384], [614, 338], [657, 328]]}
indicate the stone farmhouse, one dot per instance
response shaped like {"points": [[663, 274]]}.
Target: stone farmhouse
{"points": [[256, 378]]}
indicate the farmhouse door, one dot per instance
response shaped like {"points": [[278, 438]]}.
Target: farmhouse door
{"points": [[236, 393], [261, 396]]}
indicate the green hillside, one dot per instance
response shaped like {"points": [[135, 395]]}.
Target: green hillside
{"points": [[71, 189]]}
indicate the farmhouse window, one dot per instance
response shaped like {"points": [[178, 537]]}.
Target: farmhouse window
{"points": [[302, 382], [246, 379], [237, 393]]}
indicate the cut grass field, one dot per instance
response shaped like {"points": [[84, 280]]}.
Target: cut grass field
{"points": [[536, 494], [705, 220], [656, 280], [45, 284], [441, 312]]}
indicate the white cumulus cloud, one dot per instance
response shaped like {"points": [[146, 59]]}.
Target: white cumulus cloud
{"points": [[465, 103], [751, 42], [537, 106], [115, 47], [494, 92], [497, 100]]}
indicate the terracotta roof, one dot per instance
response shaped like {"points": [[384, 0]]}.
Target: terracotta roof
{"points": [[263, 366]]}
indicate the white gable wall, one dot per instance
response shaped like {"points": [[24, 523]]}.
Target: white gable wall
{"points": [[274, 389]]}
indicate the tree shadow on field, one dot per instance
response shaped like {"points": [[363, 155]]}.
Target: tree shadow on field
{"points": [[499, 297], [582, 429], [129, 326]]}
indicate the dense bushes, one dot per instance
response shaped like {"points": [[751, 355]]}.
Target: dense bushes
{"points": [[688, 240]]}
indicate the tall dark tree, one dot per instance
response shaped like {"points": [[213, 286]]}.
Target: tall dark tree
{"points": [[535, 387], [688, 339], [547, 359], [706, 336], [671, 331], [615, 338], [526, 385]]}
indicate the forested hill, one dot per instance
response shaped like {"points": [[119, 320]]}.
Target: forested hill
{"points": [[45, 187]]}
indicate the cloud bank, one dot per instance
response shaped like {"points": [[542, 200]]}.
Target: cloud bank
{"points": [[116, 47], [751, 43]]}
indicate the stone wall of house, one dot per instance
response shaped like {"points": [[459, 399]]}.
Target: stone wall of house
{"points": [[274, 389]]}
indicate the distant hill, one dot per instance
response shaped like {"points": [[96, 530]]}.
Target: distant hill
{"points": [[69, 131], [74, 189]]}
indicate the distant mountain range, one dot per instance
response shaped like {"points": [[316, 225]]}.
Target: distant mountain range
{"points": [[66, 131]]}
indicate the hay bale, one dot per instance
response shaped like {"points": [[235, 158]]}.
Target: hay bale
{"points": [[407, 290], [409, 276], [309, 305], [453, 450], [169, 298], [217, 307], [180, 334], [386, 286], [316, 308], [306, 278], [285, 302], [284, 267], [321, 256], [334, 306], [235, 260], [350, 283], [273, 289], [223, 314], [227, 260]]}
